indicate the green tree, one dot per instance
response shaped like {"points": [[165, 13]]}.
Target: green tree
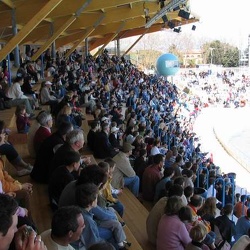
{"points": [[221, 54]]}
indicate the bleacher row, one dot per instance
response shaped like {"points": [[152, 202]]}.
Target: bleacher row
{"points": [[135, 212]]}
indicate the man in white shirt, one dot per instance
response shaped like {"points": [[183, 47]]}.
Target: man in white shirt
{"points": [[66, 227], [15, 93]]}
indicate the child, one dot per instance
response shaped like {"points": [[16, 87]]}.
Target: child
{"points": [[22, 120], [109, 192]]}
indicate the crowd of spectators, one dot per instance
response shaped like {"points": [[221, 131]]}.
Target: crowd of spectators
{"points": [[142, 136]]}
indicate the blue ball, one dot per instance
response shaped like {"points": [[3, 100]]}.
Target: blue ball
{"points": [[167, 64]]}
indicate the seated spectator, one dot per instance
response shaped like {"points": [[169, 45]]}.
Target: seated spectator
{"points": [[63, 175], [46, 98], [243, 226], [197, 234], [224, 223], [32, 131], [74, 142], [110, 193], [86, 197], [43, 131], [151, 176], [208, 209], [157, 211], [8, 229], [40, 171], [189, 175], [124, 175], [17, 97], [65, 114], [66, 227], [114, 138], [188, 192], [240, 209], [91, 137], [160, 186], [11, 154], [140, 164], [171, 232], [103, 147], [22, 120]]}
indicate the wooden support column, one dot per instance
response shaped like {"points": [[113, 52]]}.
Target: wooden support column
{"points": [[26, 30]]}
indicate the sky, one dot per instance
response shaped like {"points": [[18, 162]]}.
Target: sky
{"points": [[226, 20]]}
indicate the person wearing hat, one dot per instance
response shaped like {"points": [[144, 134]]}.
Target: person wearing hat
{"points": [[45, 97], [114, 138], [124, 175]]}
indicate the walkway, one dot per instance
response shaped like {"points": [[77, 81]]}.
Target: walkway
{"points": [[232, 128]]}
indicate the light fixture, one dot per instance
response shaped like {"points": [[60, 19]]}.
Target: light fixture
{"points": [[169, 7], [177, 30], [184, 14], [171, 25], [165, 19]]}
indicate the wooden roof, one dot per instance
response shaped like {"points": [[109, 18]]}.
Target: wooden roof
{"points": [[69, 22]]}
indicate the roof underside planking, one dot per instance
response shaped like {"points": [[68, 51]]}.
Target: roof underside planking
{"points": [[69, 22]]}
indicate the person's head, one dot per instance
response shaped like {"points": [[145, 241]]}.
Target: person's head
{"points": [[102, 246], [188, 191], [64, 127], [209, 206], [243, 198], [227, 209], [112, 165], [86, 195], [104, 165], [20, 110], [127, 148], [19, 79], [73, 160], [173, 206], [95, 125], [8, 220], [67, 223], [175, 190], [45, 119], [75, 139], [185, 214], [196, 201], [168, 172], [158, 159], [180, 180], [66, 110], [198, 233], [93, 174]]}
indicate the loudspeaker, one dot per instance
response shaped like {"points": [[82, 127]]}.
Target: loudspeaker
{"points": [[184, 14], [164, 19], [193, 27], [171, 25]]}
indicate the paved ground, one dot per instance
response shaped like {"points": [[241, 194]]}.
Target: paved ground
{"points": [[224, 132]]}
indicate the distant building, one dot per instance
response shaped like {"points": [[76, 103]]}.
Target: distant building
{"points": [[192, 58]]}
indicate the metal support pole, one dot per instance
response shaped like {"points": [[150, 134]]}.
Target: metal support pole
{"points": [[9, 70], [86, 46], [118, 47], [14, 30]]}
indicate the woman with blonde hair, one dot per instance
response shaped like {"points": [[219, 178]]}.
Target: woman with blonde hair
{"points": [[208, 210], [65, 115]]}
